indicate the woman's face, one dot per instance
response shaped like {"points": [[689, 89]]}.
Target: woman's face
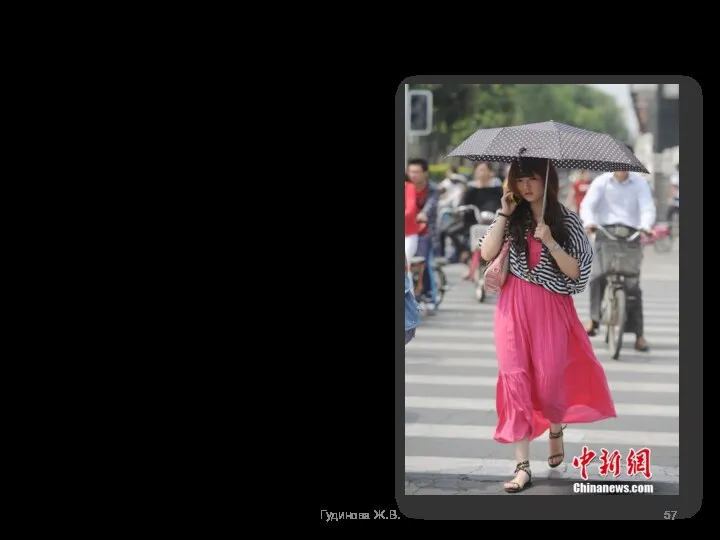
{"points": [[530, 188], [482, 173]]}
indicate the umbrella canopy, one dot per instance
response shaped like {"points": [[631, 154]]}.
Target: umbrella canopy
{"points": [[567, 147]]}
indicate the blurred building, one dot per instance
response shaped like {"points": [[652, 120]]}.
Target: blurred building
{"points": [[657, 107]]}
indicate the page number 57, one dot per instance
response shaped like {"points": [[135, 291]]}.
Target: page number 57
{"points": [[670, 514]]}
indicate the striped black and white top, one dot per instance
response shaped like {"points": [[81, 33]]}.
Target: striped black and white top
{"points": [[545, 273]]}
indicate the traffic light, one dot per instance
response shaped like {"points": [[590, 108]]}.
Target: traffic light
{"points": [[421, 107]]}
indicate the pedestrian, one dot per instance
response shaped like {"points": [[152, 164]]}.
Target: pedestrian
{"points": [[619, 198], [578, 189], [548, 373]]}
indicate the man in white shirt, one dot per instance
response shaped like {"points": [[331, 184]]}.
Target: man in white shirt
{"points": [[619, 198]]}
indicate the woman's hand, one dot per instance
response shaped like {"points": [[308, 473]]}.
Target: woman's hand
{"points": [[507, 203], [543, 233]]}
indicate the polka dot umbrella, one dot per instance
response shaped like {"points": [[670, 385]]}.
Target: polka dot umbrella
{"points": [[566, 147]]}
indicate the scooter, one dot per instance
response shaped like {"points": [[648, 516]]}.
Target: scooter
{"points": [[477, 231]]}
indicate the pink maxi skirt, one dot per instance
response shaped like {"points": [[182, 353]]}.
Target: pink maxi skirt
{"points": [[548, 372]]}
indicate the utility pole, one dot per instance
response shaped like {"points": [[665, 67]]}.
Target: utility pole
{"points": [[665, 137], [407, 122]]}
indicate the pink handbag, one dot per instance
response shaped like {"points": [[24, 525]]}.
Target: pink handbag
{"points": [[496, 272]]}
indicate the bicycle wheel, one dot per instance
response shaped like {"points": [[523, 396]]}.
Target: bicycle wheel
{"points": [[415, 278], [615, 319], [441, 282]]}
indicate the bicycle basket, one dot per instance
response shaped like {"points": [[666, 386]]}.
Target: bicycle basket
{"points": [[621, 258], [476, 234]]}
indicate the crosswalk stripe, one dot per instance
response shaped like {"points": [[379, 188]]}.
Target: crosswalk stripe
{"points": [[488, 405], [488, 324], [666, 311], [609, 367], [469, 313], [650, 439], [488, 335], [583, 301], [450, 347], [454, 380], [500, 467], [659, 277]]}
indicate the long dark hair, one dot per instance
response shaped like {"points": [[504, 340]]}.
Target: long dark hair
{"points": [[522, 218]]}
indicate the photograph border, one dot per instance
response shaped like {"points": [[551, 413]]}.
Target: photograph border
{"points": [[644, 507]]}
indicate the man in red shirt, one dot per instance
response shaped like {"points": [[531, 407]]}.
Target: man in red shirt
{"points": [[411, 224], [427, 196]]}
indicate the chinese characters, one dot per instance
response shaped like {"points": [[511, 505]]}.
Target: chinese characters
{"points": [[636, 462]]}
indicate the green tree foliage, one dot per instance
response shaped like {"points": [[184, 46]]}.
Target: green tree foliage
{"points": [[461, 109], [575, 104]]}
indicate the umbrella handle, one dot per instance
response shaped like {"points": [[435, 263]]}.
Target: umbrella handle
{"points": [[547, 176]]}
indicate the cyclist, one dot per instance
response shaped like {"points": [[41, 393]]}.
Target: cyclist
{"points": [[411, 224], [617, 198], [485, 192], [427, 195]]}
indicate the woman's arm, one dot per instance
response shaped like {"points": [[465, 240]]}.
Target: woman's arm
{"points": [[568, 265], [575, 260], [492, 242]]}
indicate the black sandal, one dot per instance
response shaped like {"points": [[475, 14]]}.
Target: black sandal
{"points": [[561, 455], [525, 467]]}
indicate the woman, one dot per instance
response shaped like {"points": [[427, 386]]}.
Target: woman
{"points": [[548, 373], [484, 193]]}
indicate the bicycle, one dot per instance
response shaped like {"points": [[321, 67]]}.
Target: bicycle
{"points": [[417, 262], [477, 231], [620, 259]]}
